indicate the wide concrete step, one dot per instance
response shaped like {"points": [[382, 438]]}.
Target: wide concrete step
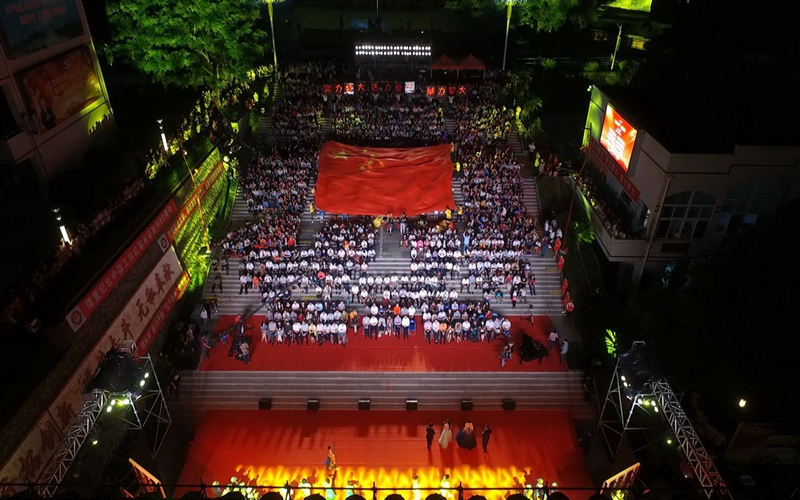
{"points": [[201, 391]]}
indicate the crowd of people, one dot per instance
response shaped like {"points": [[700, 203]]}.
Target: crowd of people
{"points": [[610, 220], [455, 275], [373, 120]]}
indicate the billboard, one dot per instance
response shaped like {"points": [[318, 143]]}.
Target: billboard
{"points": [[61, 87], [618, 137], [29, 26]]}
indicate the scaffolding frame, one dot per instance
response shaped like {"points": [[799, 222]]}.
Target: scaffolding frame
{"points": [[619, 417], [150, 406], [58, 466]]}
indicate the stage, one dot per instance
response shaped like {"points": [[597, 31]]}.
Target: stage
{"points": [[387, 448], [386, 354]]}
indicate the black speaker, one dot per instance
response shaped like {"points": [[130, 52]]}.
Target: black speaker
{"points": [[509, 404], [312, 405], [466, 405], [363, 404], [411, 405], [265, 404]]}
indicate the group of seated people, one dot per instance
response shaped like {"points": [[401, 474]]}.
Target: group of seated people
{"points": [[455, 275], [279, 180], [610, 220], [481, 122], [382, 121]]}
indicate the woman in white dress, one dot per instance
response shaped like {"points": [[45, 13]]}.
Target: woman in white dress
{"points": [[447, 435]]}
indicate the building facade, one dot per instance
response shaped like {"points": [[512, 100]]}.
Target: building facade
{"points": [[653, 199], [53, 101]]}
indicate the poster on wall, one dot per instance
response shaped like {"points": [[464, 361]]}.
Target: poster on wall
{"points": [[60, 88], [29, 26], [618, 137]]}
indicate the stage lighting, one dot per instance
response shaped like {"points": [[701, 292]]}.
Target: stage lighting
{"points": [[146, 374], [109, 408], [466, 405], [141, 384], [742, 403], [669, 440]]}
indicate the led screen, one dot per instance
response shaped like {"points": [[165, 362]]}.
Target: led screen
{"points": [[618, 137]]}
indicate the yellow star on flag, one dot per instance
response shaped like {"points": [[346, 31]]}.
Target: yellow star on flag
{"points": [[370, 162], [339, 154], [362, 167]]}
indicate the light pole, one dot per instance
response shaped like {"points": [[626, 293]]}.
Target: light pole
{"points": [[509, 5], [272, 28], [616, 47]]}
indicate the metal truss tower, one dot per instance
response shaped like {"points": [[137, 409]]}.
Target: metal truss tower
{"points": [[148, 407], [631, 409]]}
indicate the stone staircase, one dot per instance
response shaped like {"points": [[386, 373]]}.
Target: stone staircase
{"points": [[201, 391], [450, 127], [264, 135]]}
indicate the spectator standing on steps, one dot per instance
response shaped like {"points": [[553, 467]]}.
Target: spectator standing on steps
{"points": [[564, 351]]}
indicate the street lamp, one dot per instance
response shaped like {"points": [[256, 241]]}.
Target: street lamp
{"points": [[509, 5], [272, 28]]}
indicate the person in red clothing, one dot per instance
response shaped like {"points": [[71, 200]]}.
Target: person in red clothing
{"points": [[564, 286], [557, 247], [567, 298], [569, 307], [561, 264]]}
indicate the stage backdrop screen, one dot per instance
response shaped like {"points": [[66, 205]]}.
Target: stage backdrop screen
{"points": [[61, 87], [618, 137], [32, 25]]}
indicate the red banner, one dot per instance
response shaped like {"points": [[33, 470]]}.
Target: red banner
{"points": [[610, 164], [61, 87], [377, 181], [143, 344], [80, 313]]}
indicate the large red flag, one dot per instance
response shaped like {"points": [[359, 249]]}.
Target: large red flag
{"points": [[376, 181]]}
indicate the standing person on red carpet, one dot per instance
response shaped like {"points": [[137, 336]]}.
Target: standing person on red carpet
{"points": [[564, 351], [486, 435], [429, 434], [330, 462], [447, 435], [552, 341]]}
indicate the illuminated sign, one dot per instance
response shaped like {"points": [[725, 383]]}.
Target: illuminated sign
{"points": [[613, 167], [31, 26], [61, 87], [618, 137], [393, 50], [410, 87], [349, 89], [635, 5]]}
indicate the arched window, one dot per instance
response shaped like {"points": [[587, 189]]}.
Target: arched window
{"points": [[686, 215], [744, 204]]}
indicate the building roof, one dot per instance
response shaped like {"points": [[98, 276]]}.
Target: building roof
{"points": [[711, 118]]}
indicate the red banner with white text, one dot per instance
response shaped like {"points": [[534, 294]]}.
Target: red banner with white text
{"points": [[80, 313]]}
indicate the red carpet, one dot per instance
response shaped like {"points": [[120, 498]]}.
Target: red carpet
{"points": [[384, 354], [387, 447]]}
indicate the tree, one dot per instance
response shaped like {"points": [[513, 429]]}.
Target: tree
{"points": [[543, 15], [189, 43]]}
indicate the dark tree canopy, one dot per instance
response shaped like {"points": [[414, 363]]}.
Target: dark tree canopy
{"points": [[543, 15], [188, 43], [726, 327]]}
